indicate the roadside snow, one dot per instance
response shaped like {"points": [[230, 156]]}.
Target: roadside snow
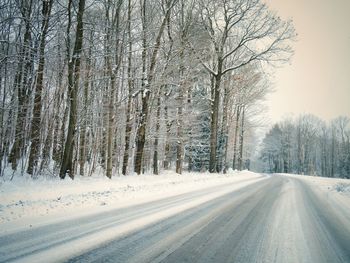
{"points": [[330, 185], [334, 191], [24, 201]]}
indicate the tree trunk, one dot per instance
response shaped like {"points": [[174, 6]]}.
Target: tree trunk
{"points": [[22, 85], [156, 140], [180, 122], [83, 126], [214, 124], [58, 136], [73, 84], [180, 139], [112, 94], [128, 126], [167, 152], [190, 161], [36, 120], [241, 141], [238, 112], [141, 130], [180, 98], [224, 129]]}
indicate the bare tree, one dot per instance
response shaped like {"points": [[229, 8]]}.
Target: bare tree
{"points": [[73, 84], [36, 120], [240, 33], [99, 86], [147, 80], [128, 126], [22, 83]]}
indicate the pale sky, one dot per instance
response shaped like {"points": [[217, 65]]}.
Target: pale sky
{"points": [[318, 79]]}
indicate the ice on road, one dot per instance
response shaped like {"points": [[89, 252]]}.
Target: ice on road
{"points": [[262, 219]]}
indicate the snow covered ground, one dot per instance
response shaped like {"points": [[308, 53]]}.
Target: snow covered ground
{"points": [[238, 217], [325, 184], [335, 189], [24, 202], [334, 192]]}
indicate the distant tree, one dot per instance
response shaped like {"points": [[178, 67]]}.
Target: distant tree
{"points": [[308, 146]]}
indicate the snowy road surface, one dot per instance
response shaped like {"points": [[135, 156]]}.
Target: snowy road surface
{"points": [[272, 219]]}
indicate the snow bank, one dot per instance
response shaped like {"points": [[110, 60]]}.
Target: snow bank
{"points": [[325, 184], [24, 201], [335, 191]]}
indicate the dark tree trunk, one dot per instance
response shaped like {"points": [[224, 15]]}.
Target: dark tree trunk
{"points": [[22, 85], [84, 121], [141, 129], [224, 129], [241, 141], [214, 123], [234, 163], [73, 83]]}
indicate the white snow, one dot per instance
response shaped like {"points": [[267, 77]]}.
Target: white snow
{"points": [[334, 191], [28, 204], [325, 184], [25, 202]]}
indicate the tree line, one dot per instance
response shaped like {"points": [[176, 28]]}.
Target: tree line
{"points": [[133, 85], [308, 145]]}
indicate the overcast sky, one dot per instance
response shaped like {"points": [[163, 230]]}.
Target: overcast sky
{"points": [[318, 79]]}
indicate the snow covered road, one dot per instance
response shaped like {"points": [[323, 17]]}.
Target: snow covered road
{"points": [[259, 219]]}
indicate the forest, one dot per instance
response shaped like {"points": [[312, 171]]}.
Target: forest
{"points": [[308, 145], [136, 86]]}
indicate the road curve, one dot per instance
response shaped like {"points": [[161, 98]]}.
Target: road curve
{"points": [[280, 219], [277, 220]]}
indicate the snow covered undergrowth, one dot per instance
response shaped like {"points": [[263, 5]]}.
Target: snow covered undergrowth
{"points": [[342, 187], [25, 202]]}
